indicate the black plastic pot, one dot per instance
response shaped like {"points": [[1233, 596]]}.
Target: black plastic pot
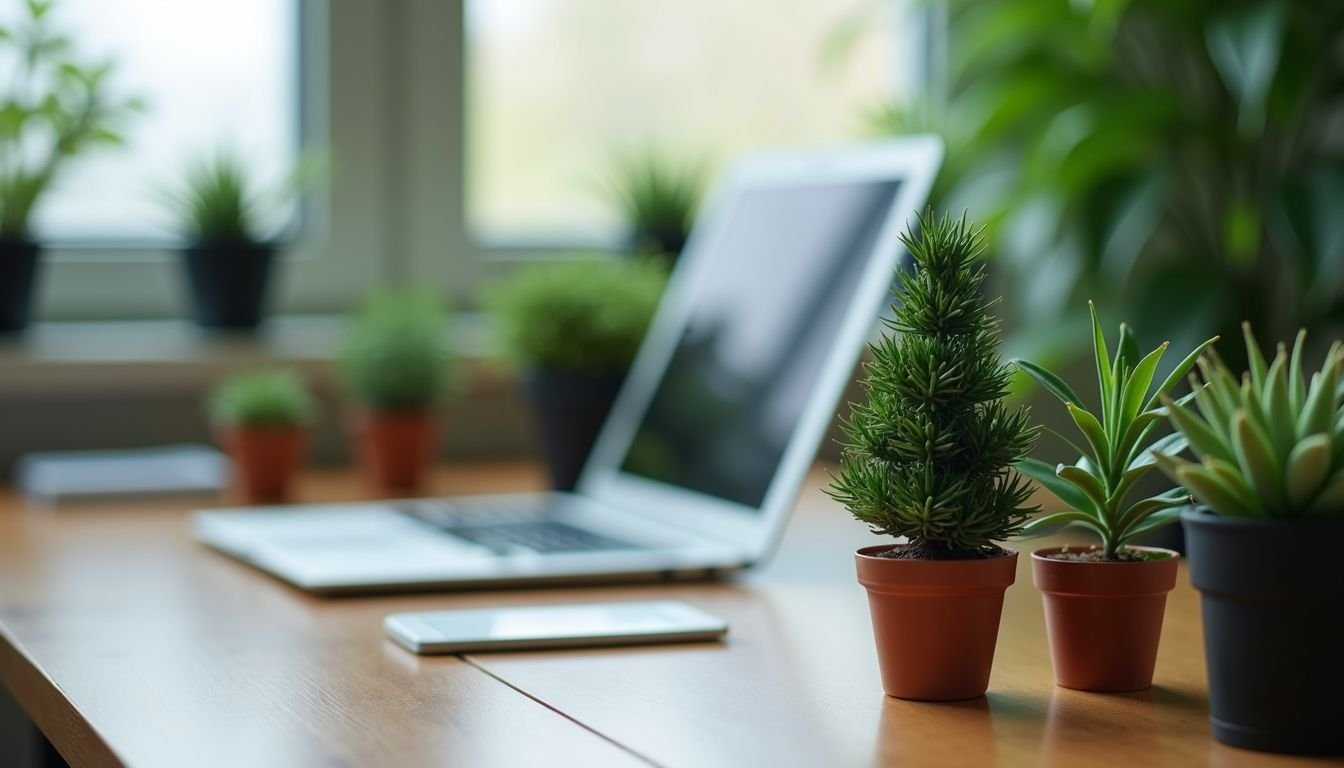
{"points": [[228, 283], [570, 410], [1273, 598], [19, 261]]}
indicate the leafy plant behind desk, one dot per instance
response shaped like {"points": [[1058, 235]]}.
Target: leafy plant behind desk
{"points": [[657, 196], [56, 106], [585, 316], [396, 356], [1120, 445], [219, 196], [1185, 157], [264, 398], [930, 455]]}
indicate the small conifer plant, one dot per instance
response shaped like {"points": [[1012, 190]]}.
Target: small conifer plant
{"points": [[930, 455]]}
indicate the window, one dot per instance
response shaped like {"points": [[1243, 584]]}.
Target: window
{"points": [[556, 87], [213, 75]]}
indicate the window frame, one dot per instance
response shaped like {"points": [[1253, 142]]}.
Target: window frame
{"points": [[383, 95]]}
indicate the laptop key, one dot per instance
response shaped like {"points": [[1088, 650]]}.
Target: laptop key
{"points": [[536, 536]]}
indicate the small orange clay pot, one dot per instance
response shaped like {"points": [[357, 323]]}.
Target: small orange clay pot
{"points": [[394, 448], [265, 460], [1103, 619], [935, 621]]}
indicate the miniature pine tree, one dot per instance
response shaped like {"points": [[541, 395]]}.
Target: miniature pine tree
{"points": [[930, 455]]}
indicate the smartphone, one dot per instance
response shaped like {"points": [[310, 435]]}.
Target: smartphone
{"points": [[552, 626]]}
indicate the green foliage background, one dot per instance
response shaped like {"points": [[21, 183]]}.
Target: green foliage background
{"points": [[1182, 160], [586, 315]]}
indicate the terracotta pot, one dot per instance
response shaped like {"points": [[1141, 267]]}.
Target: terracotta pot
{"points": [[935, 621], [394, 448], [1103, 619], [265, 460]]}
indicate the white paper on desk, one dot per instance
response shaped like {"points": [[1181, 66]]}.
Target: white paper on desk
{"points": [[53, 478]]}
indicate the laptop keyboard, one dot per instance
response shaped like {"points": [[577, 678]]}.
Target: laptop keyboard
{"points": [[506, 529]]}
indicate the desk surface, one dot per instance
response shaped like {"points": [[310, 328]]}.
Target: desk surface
{"points": [[127, 643]]}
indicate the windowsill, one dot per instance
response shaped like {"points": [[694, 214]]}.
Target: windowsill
{"points": [[73, 356]]}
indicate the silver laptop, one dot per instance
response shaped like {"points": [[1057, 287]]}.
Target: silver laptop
{"points": [[699, 463]]}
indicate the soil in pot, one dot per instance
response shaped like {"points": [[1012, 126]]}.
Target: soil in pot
{"points": [[19, 261], [265, 461], [935, 622], [1104, 618], [1272, 593], [394, 448], [228, 283], [570, 408]]}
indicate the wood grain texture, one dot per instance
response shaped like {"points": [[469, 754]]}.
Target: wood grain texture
{"points": [[128, 643], [796, 683]]}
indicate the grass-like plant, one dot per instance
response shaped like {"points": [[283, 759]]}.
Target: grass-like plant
{"points": [[265, 398], [396, 354], [657, 196], [1120, 438], [1270, 446], [219, 196], [55, 107], [930, 455], [585, 316]]}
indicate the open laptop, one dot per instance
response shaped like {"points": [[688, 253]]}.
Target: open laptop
{"points": [[700, 461]]}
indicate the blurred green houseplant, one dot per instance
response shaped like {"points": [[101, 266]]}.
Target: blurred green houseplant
{"points": [[56, 106], [227, 259], [262, 417], [657, 196], [574, 328], [1181, 157], [395, 364]]}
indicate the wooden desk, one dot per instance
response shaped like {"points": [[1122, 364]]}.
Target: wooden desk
{"points": [[127, 643]]}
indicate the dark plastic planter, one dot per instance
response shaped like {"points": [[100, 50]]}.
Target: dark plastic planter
{"points": [[228, 283], [570, 410], [1273, 599], [18, 280]]}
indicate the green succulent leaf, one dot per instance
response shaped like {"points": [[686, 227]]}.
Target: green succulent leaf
{"points": [[1181, 370], [1278, 405], [1307, 467], [1158, 519], [1102, 357], [1063, 490], [1052, 383], [1214, 490], [1255, 360], [1086, 482], [1255, 457], [1297, 391], [1320, 405], [1047, 525], [1202, 439], [1136, 388], [1330, 501], [1093, 431]]}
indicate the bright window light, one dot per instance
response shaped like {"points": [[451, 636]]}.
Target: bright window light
{"points": [[213, 73], [556, 88]]}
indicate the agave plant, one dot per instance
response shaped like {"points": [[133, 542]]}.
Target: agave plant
{"points": [[1269, 447], [1122, 450]]}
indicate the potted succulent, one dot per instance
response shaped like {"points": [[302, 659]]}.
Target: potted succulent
{"points": [[658, 198], [55, 107], [574, 327], [1262, 547], [228, 264], [395, 365], [1104, 603], [261, 418], [930, 458]]}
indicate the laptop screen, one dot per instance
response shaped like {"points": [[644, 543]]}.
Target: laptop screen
{"points": [[766, 313]]}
